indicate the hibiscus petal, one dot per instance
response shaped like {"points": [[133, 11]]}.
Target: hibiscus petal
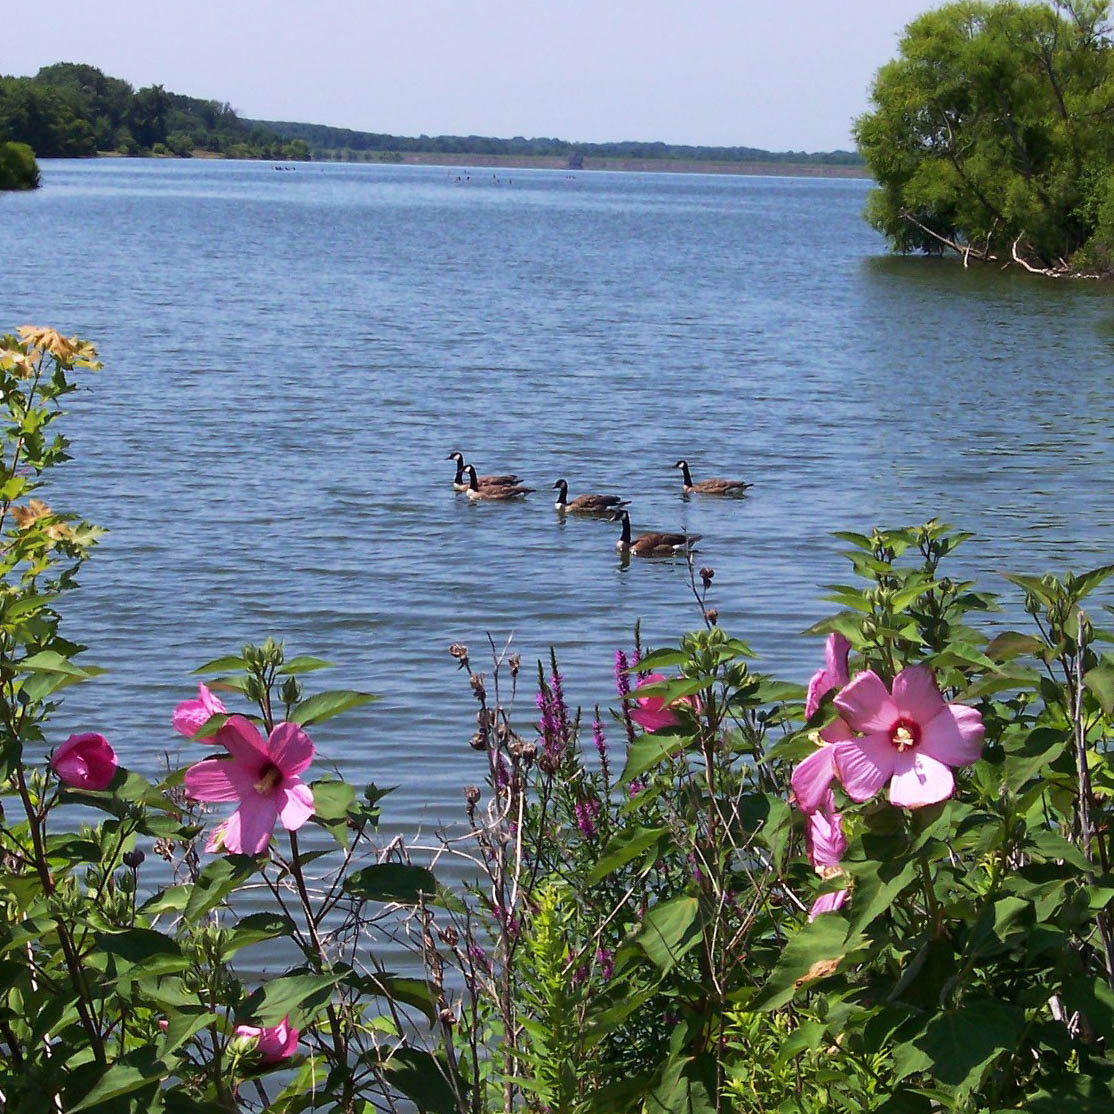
{"points": [[257, 821], [916, 694], [818, 684], [241, 738], [954, 736], [812, 777], [866, 705], [836, 732], [208, 701], [188, 717], [295, 804], [209, 780], [652, 716], [824, 835], [827, 903], [865, 765], [290, 748], [836, 651], [919, 780]]}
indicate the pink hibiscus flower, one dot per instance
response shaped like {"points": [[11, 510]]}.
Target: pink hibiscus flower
{"points": [[263, 776], [85, 761], [910, 738], [813, 776], [825, 844], [652, 713], [191, 715], [272, 1044]]}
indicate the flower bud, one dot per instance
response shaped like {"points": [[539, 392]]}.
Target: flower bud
{"points": [[133, 860]]}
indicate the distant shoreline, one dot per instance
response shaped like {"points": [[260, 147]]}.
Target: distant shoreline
{"points": [[757, 167]]}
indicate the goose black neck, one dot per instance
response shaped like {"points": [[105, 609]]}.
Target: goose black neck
{"points": [[459, 470], [626, 528], [473, 483], [562, 492], [686, 476]]}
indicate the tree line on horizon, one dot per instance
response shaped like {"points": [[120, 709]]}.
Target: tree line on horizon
{"points": [[72, 109], [323, 140]]}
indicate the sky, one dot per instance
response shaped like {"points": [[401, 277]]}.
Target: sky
{"points": [[778, 74]]}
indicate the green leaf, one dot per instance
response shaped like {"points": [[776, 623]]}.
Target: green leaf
{"points": [[666, 658], [395, 882], [216, 881], [139, 952], [325, 705], [1100, 681], [286, 995], [421, 1078], [959, 1045], [1012, 644], [669, 930], [255, 928], [1040, 747], [649, 751], [416, 993], [814, 953], [135, 1070], [222, 665], [623, 848], [332, 798], [50, 661], [182, 1025], [304, 664]]}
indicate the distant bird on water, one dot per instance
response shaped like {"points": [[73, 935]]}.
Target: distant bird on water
{"points": [[652, 545], [709, 487], [502, 492], [586, 504], [461, 484]]}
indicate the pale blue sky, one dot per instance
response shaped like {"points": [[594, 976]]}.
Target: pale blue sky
{"points": [[781, 74]]}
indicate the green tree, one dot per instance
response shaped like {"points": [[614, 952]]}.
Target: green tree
{"points": [[989, 134]]}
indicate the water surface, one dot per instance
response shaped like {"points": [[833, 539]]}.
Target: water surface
{"points": [[290, 356]]}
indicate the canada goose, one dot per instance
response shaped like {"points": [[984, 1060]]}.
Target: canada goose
{"points": [[461, 484], [652, 545], [709, 487], [502, 491], [586, 504]]}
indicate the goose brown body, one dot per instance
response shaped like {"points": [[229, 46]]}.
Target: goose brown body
{"points": [[498, 492], [709, 487], [586, 504], [658, 544], [461, 484]]}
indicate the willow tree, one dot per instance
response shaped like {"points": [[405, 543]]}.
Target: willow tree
{"points": [[992, 135]]}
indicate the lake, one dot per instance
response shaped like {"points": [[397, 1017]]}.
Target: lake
{"points": [[290, 356]]}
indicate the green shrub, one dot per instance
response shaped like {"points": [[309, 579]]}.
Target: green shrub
{"points": [[18, 169]]}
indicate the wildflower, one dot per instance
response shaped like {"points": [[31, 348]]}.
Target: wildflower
{"points": [[586, 813], [910, 738], [811, 779], [191, 715], [622, 675], [605, 960], [85, 761], [825, 844], [273, 1044], [263, 776], [634, 788], [652, 713], [601, 746]]}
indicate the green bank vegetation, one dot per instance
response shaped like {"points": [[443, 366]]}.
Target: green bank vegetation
{"points": [[990, 136], [69, 110], [18, 169]]}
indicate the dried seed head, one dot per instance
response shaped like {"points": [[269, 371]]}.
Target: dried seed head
{"points": [[712, 615], [472, 794], [476, 680], [478, 741], [515, 663], [449, 936], [521, 749], [164, 849], [707, 575], [459, 651], [548, 763], [447, 1016]]}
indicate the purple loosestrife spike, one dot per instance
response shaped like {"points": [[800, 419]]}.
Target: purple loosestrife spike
{"points": [[586, 818], [561, 709], [502, 774], [622, 678], [605, 960], [635, 788], [601, 747]]}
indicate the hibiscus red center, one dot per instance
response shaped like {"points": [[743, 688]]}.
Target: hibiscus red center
{"points": [[269, 778], [905, 734]]}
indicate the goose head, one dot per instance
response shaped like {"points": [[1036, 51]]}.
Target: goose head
{"points": [[681, 464], [458, 457], [561, 485]]}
